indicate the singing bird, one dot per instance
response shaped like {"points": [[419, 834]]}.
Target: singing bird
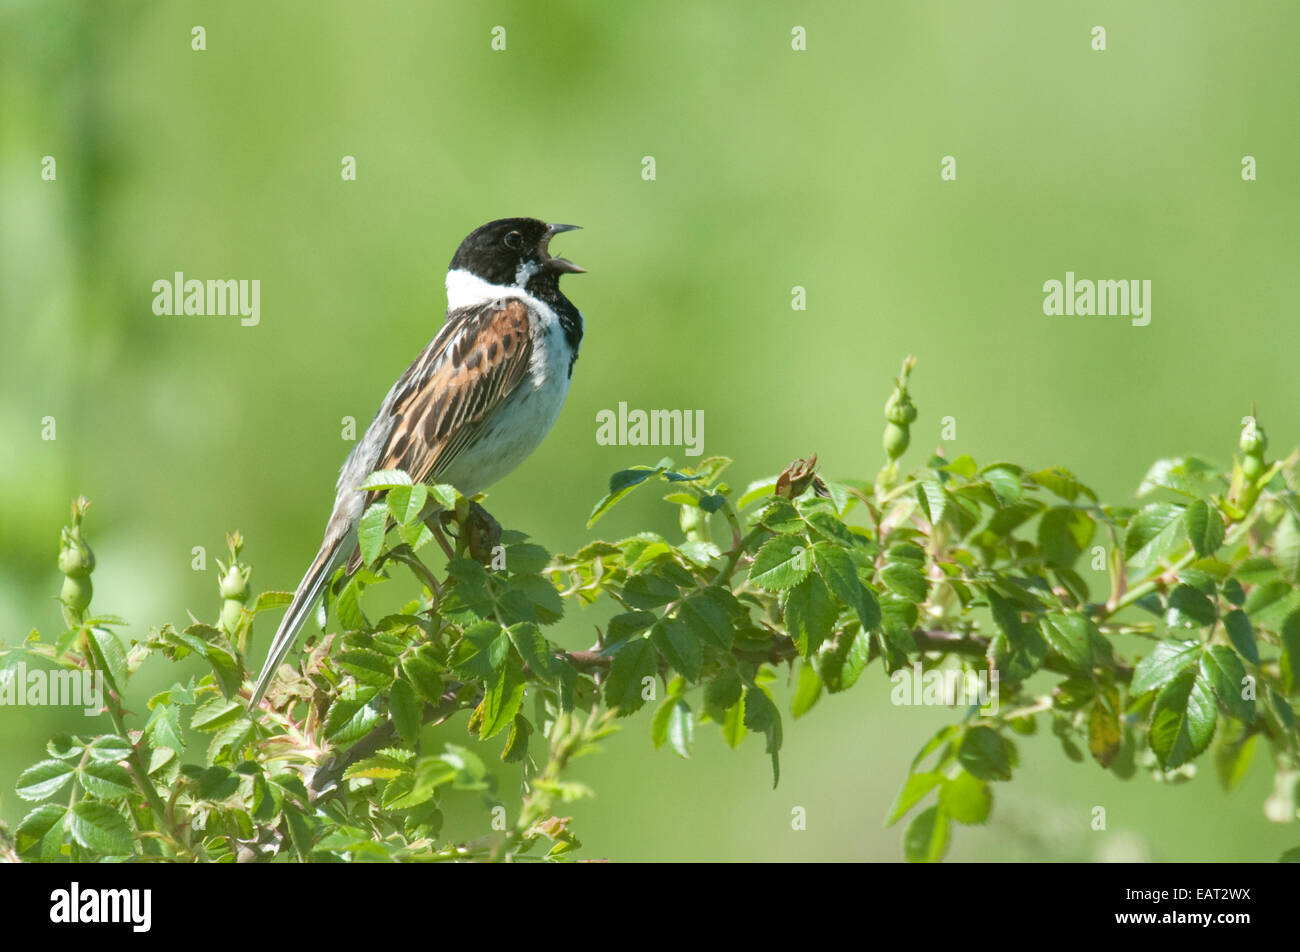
{"points": [[475, 402]]}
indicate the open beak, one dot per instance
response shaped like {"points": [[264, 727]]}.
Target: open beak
{"points": [[563, 265]]}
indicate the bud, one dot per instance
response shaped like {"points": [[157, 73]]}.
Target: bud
{"points": [[1253, 439], [796, 477], [232, 583], [76, 561]]}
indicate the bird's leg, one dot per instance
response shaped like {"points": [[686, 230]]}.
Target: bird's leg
{"points": [[482, 533]]}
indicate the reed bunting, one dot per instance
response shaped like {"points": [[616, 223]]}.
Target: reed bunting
{"points": [[473, 405]]}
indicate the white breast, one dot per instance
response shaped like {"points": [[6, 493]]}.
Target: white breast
{"points": [[525, 417]]}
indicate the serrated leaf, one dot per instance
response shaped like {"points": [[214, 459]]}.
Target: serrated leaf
{"points": [[1105, 735], [1153, 534], [1204, 527], [706, 617], [905, 580], [782, 562], [1165, 662], [405, 710], [504, 695], [110, 657], [99, 828], [44, 779], [678, 644], [386, 479], [1068, 635], [1182, 720], [371, 530], [1223, 671], [809, 614], [106, 781], [926, 837], [635, 661], [984, 753], [837, 568], [1242, 634]]}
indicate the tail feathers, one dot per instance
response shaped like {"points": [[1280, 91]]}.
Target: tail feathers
{"points": [[331, 553]]}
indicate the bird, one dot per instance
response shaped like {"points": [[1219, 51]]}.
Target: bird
{"points": [[472, 406]]}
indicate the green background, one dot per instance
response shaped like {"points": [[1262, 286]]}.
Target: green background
{"points": [[775, 168]]}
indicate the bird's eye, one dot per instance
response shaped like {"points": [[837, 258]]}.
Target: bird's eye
{"points": [[514, 240]]}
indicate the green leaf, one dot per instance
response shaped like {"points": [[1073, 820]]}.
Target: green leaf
{"points": [[504, 696], [914, 788], [1223, 671], [781, 516], [649, 591], [1289, 635], [678, 644], [733, 724], [405, 710], [1005, 480], [535, 651], [903, 579], [371, 529], [1153, 534], [481, 650], [809, 614], [840, 573], [351, 718], [1063, 534], [1242, 634], [110, 657], [722, 693], [675, 724], [44, 779], [1190, 608], [368, 667], [622, 483], [1204, 528], [406, 502], [807, 691], [707, 619], [933, 498], [106, 781], [635, 661], [783, 562], [1232, 760], [109, 749], [99, 828], [36, 824], [1183, 719], [926, 837], [1061, 482], [1165, 662], [386, 479], [1105, 735], [1069, 635], [516, 749], [984, 753], [966, 799]]}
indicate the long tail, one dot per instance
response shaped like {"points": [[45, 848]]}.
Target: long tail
{"points": [[332, 552]]}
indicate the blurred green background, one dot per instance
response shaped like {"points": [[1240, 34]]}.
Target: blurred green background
{"points": [[775, 168]]}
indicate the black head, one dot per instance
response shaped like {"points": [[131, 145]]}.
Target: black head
{"points": [[513, 251]]}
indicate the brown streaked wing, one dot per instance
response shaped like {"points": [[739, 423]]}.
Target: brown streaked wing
{"points": [[454, 385]]}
